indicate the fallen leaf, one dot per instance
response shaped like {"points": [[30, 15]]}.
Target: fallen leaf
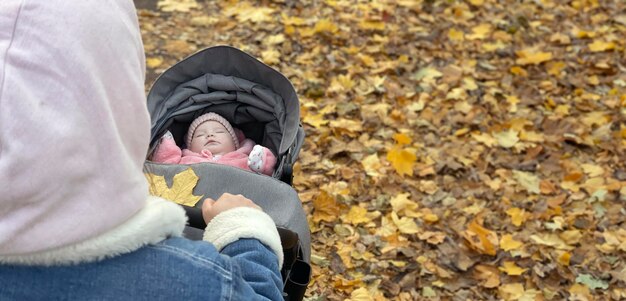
{"points": [[532, 57], [507, 243], [511, 291], [372, 166], [481, 239], [591, 282], [405, 225], [402, 160], [511, 269], [518, 216], [326, 208], [598, 46], [506, 139], [402, 206]]}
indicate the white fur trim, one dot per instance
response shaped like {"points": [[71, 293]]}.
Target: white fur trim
{"points": [[156, 221], [242, 222]]}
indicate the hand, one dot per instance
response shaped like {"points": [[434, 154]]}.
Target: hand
{"points": [[211, 208], [255, 159]]}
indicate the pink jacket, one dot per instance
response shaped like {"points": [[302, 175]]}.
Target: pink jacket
{"points": [[169, 152]]}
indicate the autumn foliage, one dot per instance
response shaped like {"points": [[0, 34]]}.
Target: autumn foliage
{"points": [[455, 150]]}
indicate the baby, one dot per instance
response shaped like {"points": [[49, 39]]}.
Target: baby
{"points": [[211, 138]]}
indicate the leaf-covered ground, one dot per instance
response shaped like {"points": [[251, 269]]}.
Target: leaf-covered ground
{"points": [[456, 150]]}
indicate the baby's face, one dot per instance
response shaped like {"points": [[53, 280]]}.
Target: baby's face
{"points": [[212, 136]]}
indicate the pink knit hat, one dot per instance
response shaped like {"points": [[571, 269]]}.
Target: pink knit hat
{"points": [[211, 117]]}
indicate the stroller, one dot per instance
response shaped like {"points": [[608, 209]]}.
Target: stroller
{"points": [[262, 103]]}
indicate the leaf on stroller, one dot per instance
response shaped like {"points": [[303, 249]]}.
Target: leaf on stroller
{"points": [[181, 191]]}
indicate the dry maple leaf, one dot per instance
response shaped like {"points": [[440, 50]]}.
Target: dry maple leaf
{"points": [[181, 191], [177, 5], [326, 208], [481, 239], [402, 160]]}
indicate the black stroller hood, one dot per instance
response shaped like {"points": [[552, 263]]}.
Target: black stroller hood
{"points": [[222, 79]]}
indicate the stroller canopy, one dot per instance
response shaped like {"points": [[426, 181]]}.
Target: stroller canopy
{"points": [[252, 96]]}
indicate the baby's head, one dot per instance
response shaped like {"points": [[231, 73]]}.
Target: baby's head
{"points": [[213, 133]]}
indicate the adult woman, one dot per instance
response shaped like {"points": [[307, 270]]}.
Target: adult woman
{"points": [[75, 218]]}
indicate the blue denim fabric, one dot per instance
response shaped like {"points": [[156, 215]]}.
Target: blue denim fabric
{"points": [[175, 269]]}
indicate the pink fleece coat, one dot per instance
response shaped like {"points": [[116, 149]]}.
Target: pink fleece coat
{"points": [[169, 152]]}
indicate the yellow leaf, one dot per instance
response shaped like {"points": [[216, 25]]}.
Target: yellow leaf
{"points": [[580, 292], [405, 225], [469, 84], [344, 251], [295, 21], [359, 215], [402, 160], [325, 208], [316, 120], [371, 165], [387, 227], [517, 70], [511, 291], [154, 62], [177, 5], [598, 46], [401, 205], [181, 191], [529, 181], [511, 268], [507, 243], [367, 60], [345, 81], [506, 139], [372, 25], [248, 13], [480, 32], [597, 118], [360, 294], [571, 237], [481, 239], [325, 25], [551, 240], [488, 276], [271, 56], [455, 35], [518, 216], [402, 139], [346, 124], [528, 57], [531, 136], [564, 258], [491, 47], [274, 39], [433, 238], [485, 139], [555, 68], [431, 218]]}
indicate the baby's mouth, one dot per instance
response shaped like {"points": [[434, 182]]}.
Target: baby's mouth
{"points": [[211, 142]]}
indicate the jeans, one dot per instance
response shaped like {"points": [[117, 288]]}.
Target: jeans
{"points": [[174, 269]]}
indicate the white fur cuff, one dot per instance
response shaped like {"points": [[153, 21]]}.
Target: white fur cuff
{"points": [[242, 222], [156, 221]]}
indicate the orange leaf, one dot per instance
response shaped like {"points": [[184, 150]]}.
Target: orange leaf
{"points": [[326, 208], [481, 239], [402, 160]]}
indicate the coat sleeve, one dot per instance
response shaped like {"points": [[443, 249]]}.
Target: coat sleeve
{"points": [[255, 269], [249, 237], [167, 152]]}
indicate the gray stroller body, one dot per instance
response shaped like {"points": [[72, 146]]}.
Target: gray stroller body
{"points": [[262, 103]]}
